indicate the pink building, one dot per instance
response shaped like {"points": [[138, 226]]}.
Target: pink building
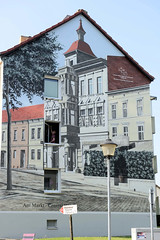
{"points": [[22, 118]]}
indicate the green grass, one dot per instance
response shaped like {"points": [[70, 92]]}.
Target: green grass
{"points": [[89, 238]]}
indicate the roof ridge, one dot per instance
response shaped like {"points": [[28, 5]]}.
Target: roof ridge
{"points": [[25, 113], [42, 32], [85, 14]]}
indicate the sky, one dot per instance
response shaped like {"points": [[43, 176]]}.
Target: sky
{"points": [[133, 24]]}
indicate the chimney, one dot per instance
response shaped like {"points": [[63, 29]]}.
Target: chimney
{"points": [[23, 38]]}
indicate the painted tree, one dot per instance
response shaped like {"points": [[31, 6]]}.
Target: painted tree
{"points": [[24, 70]]}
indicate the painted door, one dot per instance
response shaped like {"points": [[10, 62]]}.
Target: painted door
{"points": [[22, 160]]}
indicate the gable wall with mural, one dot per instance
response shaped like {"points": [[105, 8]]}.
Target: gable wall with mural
{"points": [[100, 92]]}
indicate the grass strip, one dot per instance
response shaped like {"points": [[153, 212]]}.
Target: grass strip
{"points": [[88, 238]]}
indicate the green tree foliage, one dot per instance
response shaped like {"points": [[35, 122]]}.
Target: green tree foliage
{"points": [[24, 70], [25, 67]]}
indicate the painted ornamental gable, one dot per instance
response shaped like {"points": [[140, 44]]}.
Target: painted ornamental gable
{"points": [[123, 74]]}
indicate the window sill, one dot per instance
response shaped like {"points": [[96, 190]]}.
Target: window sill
{"points": [[52, 228]]}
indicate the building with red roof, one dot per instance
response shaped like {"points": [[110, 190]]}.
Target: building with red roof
{"points": [[25, 113], [26, 137]]}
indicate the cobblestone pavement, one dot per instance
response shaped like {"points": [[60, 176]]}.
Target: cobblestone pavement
{"points": [[27, 195]]}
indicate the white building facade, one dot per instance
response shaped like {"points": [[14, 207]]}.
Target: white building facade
{"points": [[100, 95]]}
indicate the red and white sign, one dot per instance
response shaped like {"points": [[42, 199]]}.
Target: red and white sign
{"points": [[69, 209]]}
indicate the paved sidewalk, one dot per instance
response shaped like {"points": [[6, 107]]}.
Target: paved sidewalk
{"points": [[27, 195]]}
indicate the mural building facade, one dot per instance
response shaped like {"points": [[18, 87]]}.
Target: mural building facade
{"points": [[98, 88]]}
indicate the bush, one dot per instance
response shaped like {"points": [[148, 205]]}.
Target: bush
{"points": [[129, 164]]}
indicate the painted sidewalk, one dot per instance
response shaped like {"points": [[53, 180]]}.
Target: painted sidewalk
{"points": [[27, 194]]}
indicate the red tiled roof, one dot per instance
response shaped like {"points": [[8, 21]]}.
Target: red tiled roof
{"points": [[81, 46], [25, 113], [84, 13]]}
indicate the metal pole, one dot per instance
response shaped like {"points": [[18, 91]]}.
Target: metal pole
{"points": [[71, 227], [109, 208], [151, 212]]}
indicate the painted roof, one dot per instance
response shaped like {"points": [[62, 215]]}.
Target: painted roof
{"points": [[123, 74], [81, 46], [25, 113], [67, 19]]}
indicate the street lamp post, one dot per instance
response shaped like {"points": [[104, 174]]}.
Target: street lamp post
{"points": [[108, 148]]}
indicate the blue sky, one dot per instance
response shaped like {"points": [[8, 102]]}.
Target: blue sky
{"points": [[134, 24]]}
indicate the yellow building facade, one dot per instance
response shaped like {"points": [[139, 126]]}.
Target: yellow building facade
{"points": [[130, 114]]}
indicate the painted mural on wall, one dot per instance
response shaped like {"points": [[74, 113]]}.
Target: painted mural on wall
{"points": [[98, 89]]}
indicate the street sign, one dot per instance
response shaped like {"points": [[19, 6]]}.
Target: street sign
{"points": [[69, 209]]}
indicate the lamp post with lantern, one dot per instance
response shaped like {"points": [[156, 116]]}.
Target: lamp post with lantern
{"points": [[108, 148]]}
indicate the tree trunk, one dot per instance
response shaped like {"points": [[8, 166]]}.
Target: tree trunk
{"points": [[9, 173]]}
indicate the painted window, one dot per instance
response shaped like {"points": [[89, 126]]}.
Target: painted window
{"points": [[38, 133], [33, 133], [82, 87], [15, 135], [32, 154], [14, 153], [72, 88], [3, 158], [99, 85], [51, 87], [114, 131], [3, 136], [124, 106], [125, 131], [139, 107], [82, 117], [140, 132], [90, 86], [99, 110], [38, 154], [82, 112], [114, 111], [23, 134], [71, 63], [90, 111], [72, 117]]}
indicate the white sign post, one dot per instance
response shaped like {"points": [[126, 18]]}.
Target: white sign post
{"points": [[151, 201], [69, 209]]}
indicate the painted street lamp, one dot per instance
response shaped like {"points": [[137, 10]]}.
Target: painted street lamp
{"points": [[108, 148]]}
